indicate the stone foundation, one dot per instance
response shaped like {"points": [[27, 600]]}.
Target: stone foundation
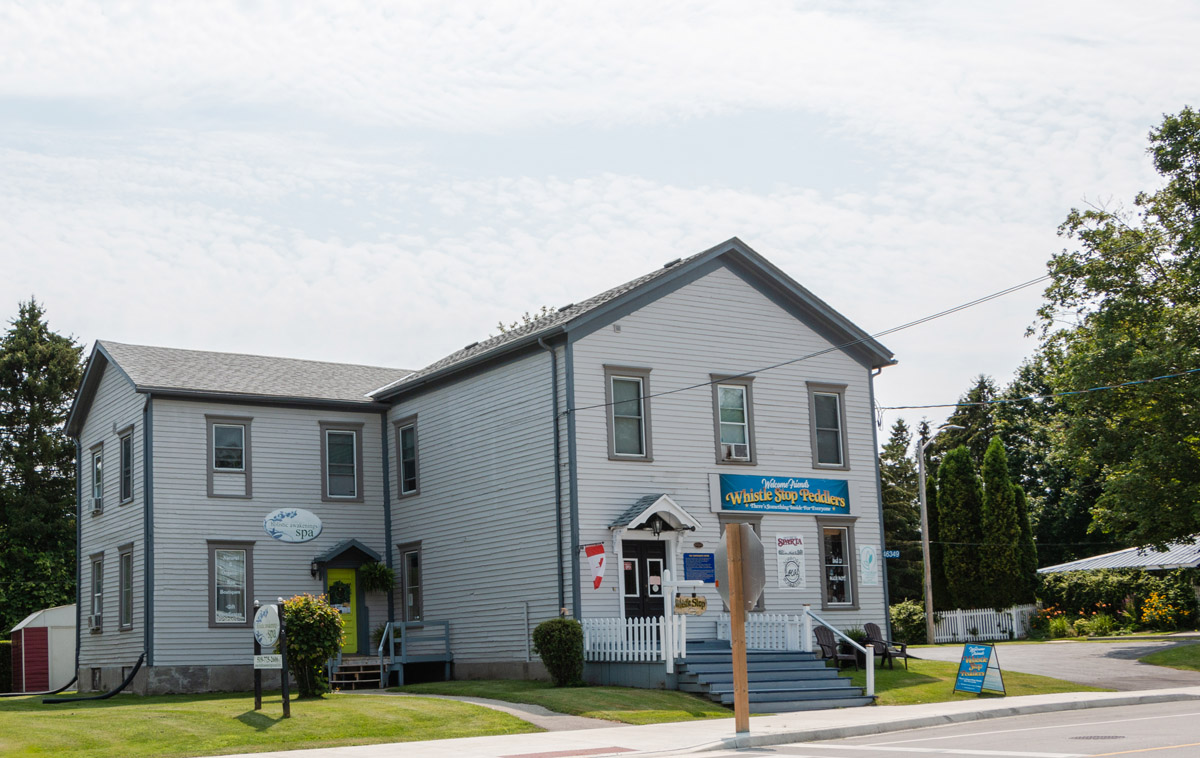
{"points": [[178, 680]]}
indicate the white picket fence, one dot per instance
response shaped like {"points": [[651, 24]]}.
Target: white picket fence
{"points": [[983, 624], [645, 639], [767, 631]]}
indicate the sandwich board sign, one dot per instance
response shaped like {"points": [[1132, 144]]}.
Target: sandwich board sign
{"points": [[979, 670]]}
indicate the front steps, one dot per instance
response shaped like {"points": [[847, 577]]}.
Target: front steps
{"points": [[780, 681], [356, 673]]}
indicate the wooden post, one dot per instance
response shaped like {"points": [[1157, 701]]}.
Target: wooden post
{"points": [[257, 670], [737, 628], [283, 674]]}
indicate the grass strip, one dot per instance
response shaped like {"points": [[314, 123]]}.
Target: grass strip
{"points": [[933, 682], [214, 724], [1186, 657], [627, 705]]}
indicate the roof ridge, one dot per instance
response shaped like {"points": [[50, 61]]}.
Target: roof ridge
{"points": [[250, 355]]}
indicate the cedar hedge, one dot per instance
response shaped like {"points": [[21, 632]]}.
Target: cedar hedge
{"points": [[559, 642]]}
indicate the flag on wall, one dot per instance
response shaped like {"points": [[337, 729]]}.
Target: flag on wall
{"points": [[596, 559]]}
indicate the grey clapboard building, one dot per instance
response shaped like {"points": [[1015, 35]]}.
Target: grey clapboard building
{"points": [[632, 425]]}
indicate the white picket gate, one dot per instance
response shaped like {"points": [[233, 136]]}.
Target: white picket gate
{"points": [[983, 624], [632, 640]]}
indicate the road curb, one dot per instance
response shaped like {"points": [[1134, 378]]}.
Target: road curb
{"points": [[918, 722]]}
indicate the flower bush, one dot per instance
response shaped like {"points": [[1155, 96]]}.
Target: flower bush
{"points": [[908, 622], [1121, 594], [1158, 612], [314, 635]]}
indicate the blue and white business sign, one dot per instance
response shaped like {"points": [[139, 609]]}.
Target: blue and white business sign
{"points": [[699, 567], [293, 525], [783, 494], [979, 670]]}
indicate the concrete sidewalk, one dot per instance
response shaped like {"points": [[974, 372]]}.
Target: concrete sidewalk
{"points": [[718, 734]]}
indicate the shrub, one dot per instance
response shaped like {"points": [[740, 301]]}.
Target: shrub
{"points": [[376, 577], [908, 622], [1102, 625], [1082, 627], [1124, 591], [1061, 627], [6, 666], [314, 635], [1158, 612], [559, 642]]}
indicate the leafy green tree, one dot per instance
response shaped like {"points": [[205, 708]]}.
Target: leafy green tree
{"points": [[1132, 293], [975, 415], [901, 515], [960, 517], [314, 635], [1001, 554], [39, 372]]}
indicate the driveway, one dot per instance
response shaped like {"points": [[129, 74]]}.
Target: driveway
{"points": [[1113, 665]]}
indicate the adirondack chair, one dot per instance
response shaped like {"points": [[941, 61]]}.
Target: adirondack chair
{"points": [[888, 650], [829, 648]]}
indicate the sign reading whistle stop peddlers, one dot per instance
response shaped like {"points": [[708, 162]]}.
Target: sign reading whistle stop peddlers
{"points": [[741, 576]]}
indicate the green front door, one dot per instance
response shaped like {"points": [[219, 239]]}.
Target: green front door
{"points": [[343, 595]]}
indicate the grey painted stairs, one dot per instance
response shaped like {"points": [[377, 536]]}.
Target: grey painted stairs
{"points": [[780, 681]]}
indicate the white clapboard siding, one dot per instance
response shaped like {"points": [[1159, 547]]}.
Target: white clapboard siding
{"points": [[721, 324], [116, 405], [285, 459], [485, 514]]}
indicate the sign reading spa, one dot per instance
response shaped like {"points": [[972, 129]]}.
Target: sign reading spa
{"points": [[782, 494]]}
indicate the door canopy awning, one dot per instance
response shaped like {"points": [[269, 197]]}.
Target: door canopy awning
{"points": [[642, 515], [347, 550]]}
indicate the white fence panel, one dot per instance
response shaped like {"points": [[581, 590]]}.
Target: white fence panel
{"points": [[766, 631], [983, 624], [633, 640]]}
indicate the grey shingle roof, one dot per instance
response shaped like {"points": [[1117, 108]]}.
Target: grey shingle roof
{"points": [[233, 373], [1185, 553], [635, 510]]}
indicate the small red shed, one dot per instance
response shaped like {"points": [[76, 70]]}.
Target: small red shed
{"points": [[43, 650]]}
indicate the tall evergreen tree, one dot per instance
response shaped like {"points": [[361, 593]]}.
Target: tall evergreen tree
{"points": [[960, 518], [901, 515], [39, 372], [1001, 555], [975, 415], [937, 556], [1029, 553]]}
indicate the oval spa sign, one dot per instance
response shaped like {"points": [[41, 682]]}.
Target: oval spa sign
{"points": [[292, 525]]}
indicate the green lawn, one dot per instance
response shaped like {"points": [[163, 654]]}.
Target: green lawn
{"points": [[1185, 657], [186, 725], [624, 704], [933, 682]]}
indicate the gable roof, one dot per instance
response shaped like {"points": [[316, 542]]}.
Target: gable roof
{"points": [[579, 315], [230, 376], [1182, 554]]}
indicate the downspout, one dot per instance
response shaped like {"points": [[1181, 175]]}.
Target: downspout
{"points": [[78, 557], [148, 537], [558, 511], [887, 601], [387, 514], [573, 484]]}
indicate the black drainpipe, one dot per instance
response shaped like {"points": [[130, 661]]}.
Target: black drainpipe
{"points": [[558, 513]]}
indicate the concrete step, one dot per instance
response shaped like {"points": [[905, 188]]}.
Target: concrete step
{"points": [[760, 676], [692, 666], [751, 655], [826, 685], [788, 706], [790, 694]]}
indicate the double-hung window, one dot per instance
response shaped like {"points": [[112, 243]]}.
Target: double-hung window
{"points": [[626, 393], [96, 617], [127, 466], [229, 447], [406, 456], [826, 406], [410, 580], [125, 586], [733, 419], [230, 583], [229, 457], [837, 562], [97, 479], [341, 461]]}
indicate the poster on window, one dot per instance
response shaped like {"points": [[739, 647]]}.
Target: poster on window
{"points": [[868, 566], [789, 555]]}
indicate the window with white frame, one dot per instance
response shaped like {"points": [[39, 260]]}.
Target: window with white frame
{"points": [[406, 455], [827, 411], [629, 413], [410, 580], [341, 461], [230, 572], [127, 466], [96, 617], [125, 587], [229, 447], [97, 480], [733, 420], [837, 564]]}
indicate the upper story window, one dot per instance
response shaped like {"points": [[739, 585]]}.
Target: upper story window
{"points": [[229, 456], [625, 392], [127, 466], [230, 585], [826, 406], [97, 479], [229, 447], [341, 461], [406, 456], [733, 419]]}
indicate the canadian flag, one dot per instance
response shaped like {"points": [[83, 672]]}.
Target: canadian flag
{"points": [[595, 556]]}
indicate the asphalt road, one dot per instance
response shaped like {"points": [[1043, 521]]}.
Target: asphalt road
{"points": [[1112, 665], [1164, 730]]}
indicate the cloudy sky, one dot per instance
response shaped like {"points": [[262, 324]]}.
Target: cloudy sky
{"points": [[381, 183]]}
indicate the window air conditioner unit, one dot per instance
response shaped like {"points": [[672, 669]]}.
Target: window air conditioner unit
{"points": [[740, 452], [94, 620], [97, 504]]}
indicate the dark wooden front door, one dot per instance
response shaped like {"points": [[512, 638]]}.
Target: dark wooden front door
{"points": [[641, 577]]}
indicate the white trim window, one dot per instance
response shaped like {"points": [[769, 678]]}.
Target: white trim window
{"points": [[230, 586], [827, 414], [127, 467], [98, 480], [837, 565], [125, 586], [734, 420], [97, 615], [229, 447], [412, 584], [630, 581], [629, 417], [341, 465]]}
